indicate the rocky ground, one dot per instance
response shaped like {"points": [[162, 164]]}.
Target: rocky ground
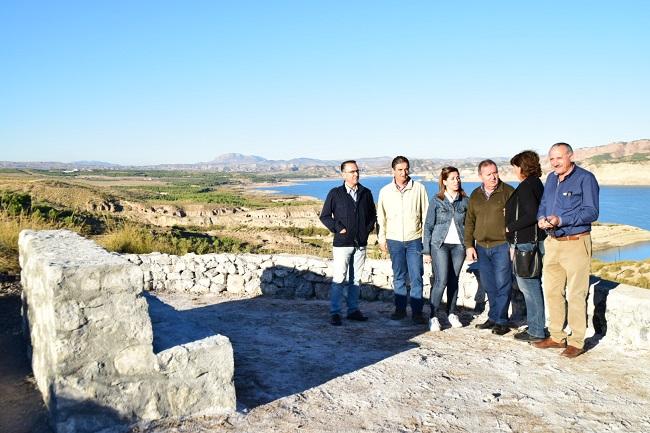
{"points": [[295, 372]]}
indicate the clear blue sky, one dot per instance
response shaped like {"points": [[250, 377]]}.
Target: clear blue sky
{"points": [[142, 82]]}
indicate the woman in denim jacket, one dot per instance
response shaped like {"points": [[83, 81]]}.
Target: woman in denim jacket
{"points": [[521, 228], [443, 248]]}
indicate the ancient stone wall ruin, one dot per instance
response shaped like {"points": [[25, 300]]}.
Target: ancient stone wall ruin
{"points": [[278, 275], [91, 334], [622, 312], [91, 341]]}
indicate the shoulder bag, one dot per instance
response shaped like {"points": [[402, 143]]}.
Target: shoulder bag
{"points": [[527, 264]]}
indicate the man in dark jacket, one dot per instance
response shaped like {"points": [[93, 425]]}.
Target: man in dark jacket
{"points": [[349, 212]]}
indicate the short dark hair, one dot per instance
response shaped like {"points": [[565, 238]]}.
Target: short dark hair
{"points": [[567, 146], [344, 163], [485, 163], [400, 160], [528, 162]]}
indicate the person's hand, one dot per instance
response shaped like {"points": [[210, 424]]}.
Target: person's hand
{"points": [[544, 224], [344, 231], [470, 254], [427, 259], [553, 220], [382, 247]]}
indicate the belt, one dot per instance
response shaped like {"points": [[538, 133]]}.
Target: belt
{"points": [[571, 237]]}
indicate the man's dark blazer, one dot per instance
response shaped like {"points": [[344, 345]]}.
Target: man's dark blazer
{"points": [[340, 212]]}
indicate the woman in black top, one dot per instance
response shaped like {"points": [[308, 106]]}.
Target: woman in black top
{"points": [[521, 229]]}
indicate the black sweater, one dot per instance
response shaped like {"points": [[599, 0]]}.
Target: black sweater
{"points": [[341, 212], [528, 195]]}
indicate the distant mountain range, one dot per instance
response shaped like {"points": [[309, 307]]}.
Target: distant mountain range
{"points": [[638, 150]]}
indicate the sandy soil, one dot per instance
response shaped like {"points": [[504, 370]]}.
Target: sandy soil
{"points": [[606, 236], [295, 372]]}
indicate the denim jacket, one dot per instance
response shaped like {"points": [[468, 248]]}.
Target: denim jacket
{"points": [[439, 216]]}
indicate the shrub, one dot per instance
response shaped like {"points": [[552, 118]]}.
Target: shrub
{"points": [[15, 203]]}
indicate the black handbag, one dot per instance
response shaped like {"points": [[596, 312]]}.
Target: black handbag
{"points": [[527, 264]]}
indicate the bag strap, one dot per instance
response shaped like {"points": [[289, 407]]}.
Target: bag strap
{"points": [[517, 217]]}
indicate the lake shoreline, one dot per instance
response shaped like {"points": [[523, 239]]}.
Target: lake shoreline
{"points": [[608, 235]]}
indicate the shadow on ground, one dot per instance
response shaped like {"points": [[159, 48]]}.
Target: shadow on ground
{"points": [[283, 347], [21, 406], [601, 289]]}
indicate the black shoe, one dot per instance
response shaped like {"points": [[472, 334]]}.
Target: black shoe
{"points": [[500, 329], [488, 324], [335, 320], [398, 315], [419, 319], [357, 315], [525, 336]]}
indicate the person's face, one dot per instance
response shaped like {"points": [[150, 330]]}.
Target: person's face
{"points": [[490, 177], [401, 172], [452, 183], [351, 174], [560, 159], [517, 171]]}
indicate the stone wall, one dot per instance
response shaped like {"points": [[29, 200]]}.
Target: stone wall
{"points": [[279, 275], [91, 335], [622, 312], [91, 341]]}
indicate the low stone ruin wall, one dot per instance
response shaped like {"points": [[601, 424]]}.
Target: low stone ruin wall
{"points": [[278, 275], [622, 312], [91, 334], [91, 341]]}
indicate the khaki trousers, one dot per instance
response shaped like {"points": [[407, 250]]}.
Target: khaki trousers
{"points": [[566, 287]]}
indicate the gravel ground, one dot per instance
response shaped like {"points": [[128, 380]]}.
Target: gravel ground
{"points": [[295, 372]]}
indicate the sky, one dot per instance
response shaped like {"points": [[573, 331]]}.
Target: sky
{"points": [[150, 82]]}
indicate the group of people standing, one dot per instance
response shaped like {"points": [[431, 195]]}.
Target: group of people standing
{"points": [[487, 226]]}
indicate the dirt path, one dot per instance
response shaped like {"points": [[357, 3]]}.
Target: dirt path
{"points": [[21, 406], [294, 372]]}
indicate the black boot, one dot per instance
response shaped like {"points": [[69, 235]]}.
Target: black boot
{"points": [[416, 311], [400, 308]]}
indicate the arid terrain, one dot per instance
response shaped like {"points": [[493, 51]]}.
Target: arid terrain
{"points": [[294, 372]]}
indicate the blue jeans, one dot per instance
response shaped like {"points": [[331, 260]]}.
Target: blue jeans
{"points": [[406, 258], [346, 272], [447, 261], [496, 277], [532, 290]]}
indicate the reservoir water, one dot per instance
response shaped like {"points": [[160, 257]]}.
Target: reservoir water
{"points": [[628, 205]]}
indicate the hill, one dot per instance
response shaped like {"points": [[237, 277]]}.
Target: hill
{"points": [[617, 163]]}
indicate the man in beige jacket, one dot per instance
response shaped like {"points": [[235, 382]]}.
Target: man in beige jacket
{"points": [[401, 211]]}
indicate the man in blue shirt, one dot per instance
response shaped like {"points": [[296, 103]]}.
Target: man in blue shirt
{"points": [[568, 207]]}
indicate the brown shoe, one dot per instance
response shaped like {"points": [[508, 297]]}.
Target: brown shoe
{"points": [[549, 343], [572, 352]]}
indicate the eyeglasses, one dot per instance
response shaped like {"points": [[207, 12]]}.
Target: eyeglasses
{"points": [[351, 171]]}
